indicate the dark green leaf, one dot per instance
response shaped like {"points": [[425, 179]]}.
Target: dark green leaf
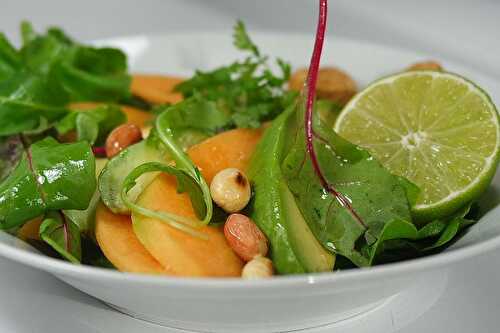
{"points": [[10, 60], [94, 74], [242, 40], [62, 235], [49, 71], [50, 176], [377, 197]]}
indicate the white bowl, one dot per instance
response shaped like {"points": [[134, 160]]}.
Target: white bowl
{"points": [[284, 302]]}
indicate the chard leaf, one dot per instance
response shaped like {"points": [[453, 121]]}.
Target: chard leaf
{"points": [[378, 197], [381, 199], [62, 235], [49, 176]]}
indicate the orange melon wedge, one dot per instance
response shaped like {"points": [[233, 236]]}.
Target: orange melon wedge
{"points": [[178, 251], [156, 89], [119, 244]]}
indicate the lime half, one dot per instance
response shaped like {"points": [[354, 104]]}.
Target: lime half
{"points": [[439, 130]]}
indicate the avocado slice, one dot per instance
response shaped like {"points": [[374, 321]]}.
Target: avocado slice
{"points": [[311, 254], [118, 168], [267, 208]]}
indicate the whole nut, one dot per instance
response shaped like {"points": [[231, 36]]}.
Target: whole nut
{"points": [[121, 137], [244, 237], [425, 65], [230, 190], [333, 84], [258, 268]]}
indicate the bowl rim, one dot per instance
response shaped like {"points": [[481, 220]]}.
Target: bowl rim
{"points": [[436, 261], [432, 262]]}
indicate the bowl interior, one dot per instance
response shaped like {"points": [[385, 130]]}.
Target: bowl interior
{"points": [[183, 53]]}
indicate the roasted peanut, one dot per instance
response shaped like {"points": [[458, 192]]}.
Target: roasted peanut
{"points": [[258, 268], [425, 65], [230, 190], [122, 137], [333, 84], [244, 237]]}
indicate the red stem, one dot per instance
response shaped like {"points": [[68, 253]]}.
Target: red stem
{"points": [[99, 151], [66, 233], [312, 79]]}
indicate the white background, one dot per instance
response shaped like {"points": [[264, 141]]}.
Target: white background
{"points": [[463, 31]]}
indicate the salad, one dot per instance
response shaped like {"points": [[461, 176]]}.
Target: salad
{"points": [[247, 170]]}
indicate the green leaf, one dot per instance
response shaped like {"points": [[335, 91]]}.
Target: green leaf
{"points": [[204, 207], [28, 33], [48, 72], [92, 125], [194, 119], [94, 74], [62, 235], [185, 183], [25, 99], [247, 92], [49, 176], [377, 197], [188, 176], [85, 219], [242, 40], [10, 61]]}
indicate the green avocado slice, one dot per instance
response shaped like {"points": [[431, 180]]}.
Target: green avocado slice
{"points": [[267, 209]]}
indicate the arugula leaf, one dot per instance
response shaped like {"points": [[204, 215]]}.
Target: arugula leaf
{"points": [[189, 179], [185, 183], [247, 91], [49, 176], [194, 119], [204, 207], [62, 235], [92, 125]]}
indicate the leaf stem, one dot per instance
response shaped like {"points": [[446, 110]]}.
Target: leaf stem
{"points": [[312, 79]]}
